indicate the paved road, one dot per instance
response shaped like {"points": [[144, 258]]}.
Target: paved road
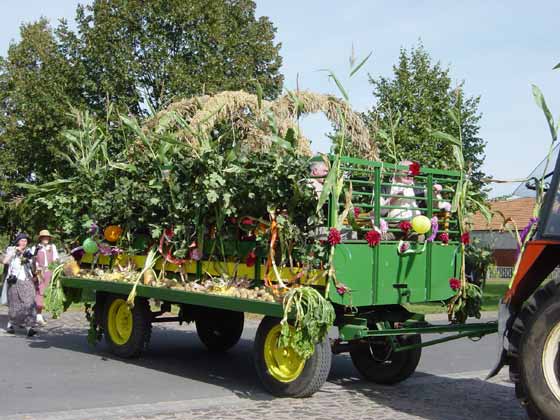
{"points": [[57, 376]]}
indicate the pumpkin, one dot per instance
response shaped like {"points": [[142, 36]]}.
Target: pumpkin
{"points": [[112, 233]]}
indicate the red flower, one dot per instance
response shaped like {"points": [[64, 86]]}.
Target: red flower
{"points": [[373, 237], [405, 226], [334, 237], [357, 211], [247, 221], [466, 238], [251, 259], [455, 284], [414, 169], [444, 238]]}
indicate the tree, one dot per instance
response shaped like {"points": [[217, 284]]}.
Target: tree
{"points": [[416, 101], [37, 89], [131, 54], [146, 53]]}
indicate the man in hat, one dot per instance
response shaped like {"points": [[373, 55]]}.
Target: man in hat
{"points": [[45, 254]]}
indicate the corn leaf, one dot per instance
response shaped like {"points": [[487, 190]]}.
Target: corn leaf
{"points": [[328, 185], [454, 116], [359, 66], [338, 84], [446, 137], [458, 157], [540, 101]]}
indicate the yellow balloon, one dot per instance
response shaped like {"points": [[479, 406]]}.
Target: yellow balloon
{"points": [[421, 224]]}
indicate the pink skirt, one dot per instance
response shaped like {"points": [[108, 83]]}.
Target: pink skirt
{"points": [[42, 285]]}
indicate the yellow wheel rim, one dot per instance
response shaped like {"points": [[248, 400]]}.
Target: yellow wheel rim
{"points": [[283, 363], [119, 322]]}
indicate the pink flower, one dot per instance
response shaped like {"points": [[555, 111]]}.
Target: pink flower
{"points": [[195, 254], [455, 284], [246, 221], [405, 226], [444, 238], [466, 238], [251, 259], [414, 169], [334, 237], [404, 247], [342, 289], [357, 211], [445, 206], [373, 237], [383, 226], [437, 188]]}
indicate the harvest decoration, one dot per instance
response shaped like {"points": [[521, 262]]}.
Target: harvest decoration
{"points": [[468, 299]]}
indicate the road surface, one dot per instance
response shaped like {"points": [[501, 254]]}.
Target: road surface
{"points": [[58, 376]]}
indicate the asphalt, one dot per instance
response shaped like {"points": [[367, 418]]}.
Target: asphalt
{"points": [[58, 371]]}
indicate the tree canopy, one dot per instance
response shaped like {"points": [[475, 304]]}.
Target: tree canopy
{"points": [[132, 54], [415, 101]]}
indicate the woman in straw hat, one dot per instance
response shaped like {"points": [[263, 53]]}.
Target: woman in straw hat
{"points": [[19, 289], [46, 253]]}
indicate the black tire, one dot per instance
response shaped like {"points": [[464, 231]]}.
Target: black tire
{"points": [[137, 341], [378, 363], [529, 335], [219, 329], [311, 378]]}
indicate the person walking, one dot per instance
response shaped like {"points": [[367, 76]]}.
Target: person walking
{"points": [[45, 254], [19, 290]]}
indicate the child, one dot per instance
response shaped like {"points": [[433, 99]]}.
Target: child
{"points": [[407, 197], [46, 254]]}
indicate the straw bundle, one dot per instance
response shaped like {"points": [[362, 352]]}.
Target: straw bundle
{"points": [[249, 119]]}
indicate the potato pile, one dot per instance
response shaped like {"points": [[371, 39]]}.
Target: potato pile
{"points": [[238, 288]]}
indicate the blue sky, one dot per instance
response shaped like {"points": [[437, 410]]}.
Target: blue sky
{"points": [[499, 48]]}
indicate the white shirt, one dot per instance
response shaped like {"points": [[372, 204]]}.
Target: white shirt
{"points": [[16, 267], [408, 200]]}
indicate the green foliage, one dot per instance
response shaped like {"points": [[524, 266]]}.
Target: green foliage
{"points": [[54, 294], [414, 103], [153, 182], [314, 315], [36, 88], [478, 258]]}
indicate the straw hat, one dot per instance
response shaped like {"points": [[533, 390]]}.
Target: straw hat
{"points": [[44, 233]]}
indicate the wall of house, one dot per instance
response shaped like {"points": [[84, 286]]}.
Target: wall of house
{"points": [[495, 240]]}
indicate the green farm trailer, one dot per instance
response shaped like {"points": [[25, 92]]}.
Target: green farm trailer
{"points": [[374, 321]]}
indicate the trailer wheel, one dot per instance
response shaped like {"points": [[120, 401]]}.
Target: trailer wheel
{"points": [[218, 329], [378, 363], [535, 353], [127, 331], [282, 371]]}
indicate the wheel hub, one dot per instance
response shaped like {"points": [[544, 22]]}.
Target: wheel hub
{"points": [[283, 363], [551, 361], [119, 322]]}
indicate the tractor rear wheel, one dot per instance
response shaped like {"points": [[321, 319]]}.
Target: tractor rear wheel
{"points": [[535, 353], [379, 363]]}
